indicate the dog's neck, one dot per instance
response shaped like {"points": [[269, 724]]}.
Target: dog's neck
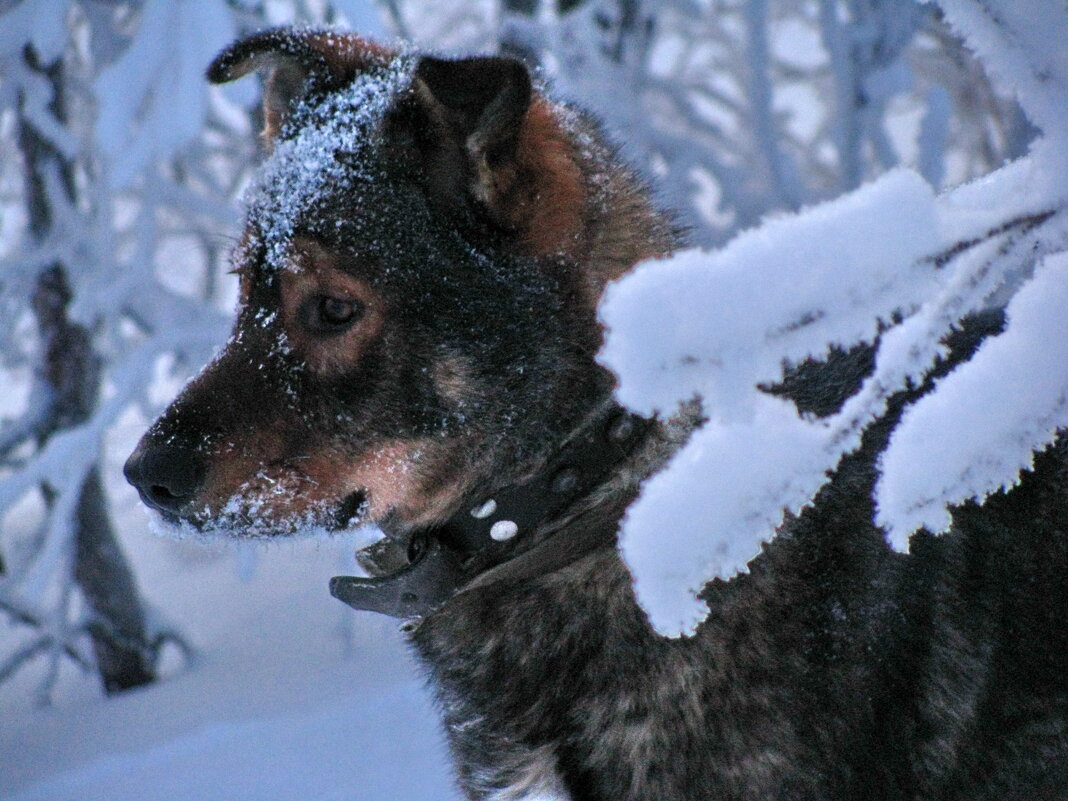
{"points": [[515, 518], [530, 528]]}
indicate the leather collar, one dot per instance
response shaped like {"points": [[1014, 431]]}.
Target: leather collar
{"points": [[508, 535]]}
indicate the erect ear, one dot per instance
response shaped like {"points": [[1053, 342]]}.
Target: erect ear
{"points": [[481, 100], [297, 62], [482, 131]]}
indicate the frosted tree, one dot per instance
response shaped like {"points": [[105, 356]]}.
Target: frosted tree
{"points": [[121, 174], [895, 265], [100, 314], [67, 383]]}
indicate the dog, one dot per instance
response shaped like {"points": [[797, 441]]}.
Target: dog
{"points": [[416, 347]]}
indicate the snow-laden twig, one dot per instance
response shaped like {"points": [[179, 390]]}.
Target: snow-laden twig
{"points": [[1014, 391], [891, 259], [38, 645], [1022, 45], [890, 256]]}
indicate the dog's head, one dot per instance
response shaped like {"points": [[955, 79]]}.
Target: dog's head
{"points": [[425, 247]]}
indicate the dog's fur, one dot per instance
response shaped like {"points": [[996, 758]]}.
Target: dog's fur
{"points": [[460, 241]]}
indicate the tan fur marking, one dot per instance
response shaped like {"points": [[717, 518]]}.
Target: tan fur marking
{"points": [[390, 474], [257, 472], [317, 272], [452, 379], [396, 476], [244, 283]]}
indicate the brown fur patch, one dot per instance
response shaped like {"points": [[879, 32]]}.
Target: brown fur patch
{"points": [[316, 272], [260, 476], [540, 193], [239, 266], [395, 478], [349, 55], [452, 380]]}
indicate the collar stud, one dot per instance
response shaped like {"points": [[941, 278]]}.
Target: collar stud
{"points": [[503, 530], [484, 510]]}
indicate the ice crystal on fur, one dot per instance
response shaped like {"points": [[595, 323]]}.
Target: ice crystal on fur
{"points": [[242, 518], [322, 158]]}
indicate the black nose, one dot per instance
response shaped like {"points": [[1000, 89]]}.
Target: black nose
{"points": [[166, 477]]}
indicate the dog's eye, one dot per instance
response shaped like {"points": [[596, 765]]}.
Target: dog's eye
{"points": [[324, 314], [335, 311]]}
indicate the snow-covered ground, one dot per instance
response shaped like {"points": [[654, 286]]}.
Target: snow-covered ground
{"points": [[292, 695]]}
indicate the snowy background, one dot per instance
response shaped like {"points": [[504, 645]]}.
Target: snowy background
{"points": [[847, 168]]}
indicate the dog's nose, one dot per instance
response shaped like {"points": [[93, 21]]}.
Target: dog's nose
{"points": [[166, 477]]}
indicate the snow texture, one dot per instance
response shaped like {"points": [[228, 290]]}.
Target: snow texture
{"points": [[720, 325], [986, 418], [783, 291], [321, 159]]}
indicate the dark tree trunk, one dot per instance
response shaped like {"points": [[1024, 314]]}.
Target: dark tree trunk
{"points": [[125, 657]]}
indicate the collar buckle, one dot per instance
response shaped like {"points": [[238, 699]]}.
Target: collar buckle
{"points": [[413, 591]]}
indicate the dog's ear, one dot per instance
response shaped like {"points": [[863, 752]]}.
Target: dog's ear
{"points": [[481, 131], [481, 100], [296, 62]]}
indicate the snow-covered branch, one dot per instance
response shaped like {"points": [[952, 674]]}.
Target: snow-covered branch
{"points": [[84, 271], [893, 265]]}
